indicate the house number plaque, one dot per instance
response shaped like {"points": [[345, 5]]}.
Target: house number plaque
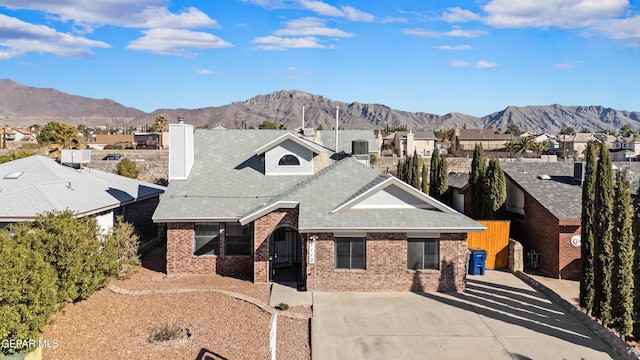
{"points": [[312, 252]]}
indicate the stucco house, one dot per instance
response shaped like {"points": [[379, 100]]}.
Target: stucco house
{"points": [[465, 140], [420, 141], [36, 184], [280, 206]]}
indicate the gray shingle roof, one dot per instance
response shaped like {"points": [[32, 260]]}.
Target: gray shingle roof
{"points": [[560, 195], [227, 183], [46, 185]]}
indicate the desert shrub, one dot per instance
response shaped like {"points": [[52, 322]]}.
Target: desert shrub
{"points": [[27, 293], [282, 306], [127, 168], [120, 249], [15, 156], [72, 246], [168, 332]]}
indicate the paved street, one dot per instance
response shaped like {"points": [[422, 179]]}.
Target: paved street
{"points": [[498, 317]]}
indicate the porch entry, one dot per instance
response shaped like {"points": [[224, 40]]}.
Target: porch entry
{"points": [[285, 258]]}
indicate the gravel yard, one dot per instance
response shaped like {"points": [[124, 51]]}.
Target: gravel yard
{"points": [[115, 325]]}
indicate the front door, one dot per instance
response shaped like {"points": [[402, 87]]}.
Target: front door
{"points": [[285, 255]]}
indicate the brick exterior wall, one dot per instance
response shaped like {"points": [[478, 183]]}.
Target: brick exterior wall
{"points": [[263, 228], [541, 231], [569, 256], [139, 214], [180, 258], [386, 266]]}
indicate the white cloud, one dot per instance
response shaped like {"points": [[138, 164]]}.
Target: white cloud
{"points": [[552, 13], [176, 41], [392, 19], [131, 14], [206, 72], [453, 47], [622, 29], [348, 12], [567, 65], [269, 4], [310, 27], [455, 32], [459, 63], [282, 43], [484, 64], [354, 14], [18, 37], [457, 14]]}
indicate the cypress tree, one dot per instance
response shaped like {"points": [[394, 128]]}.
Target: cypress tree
{"points": [[636, 266], [603, 239], [476, 181], [587, 234], [400, 170], [622, 278], [425, 179], [495, 191], [443, 177], [434, 186], [415, 169]]}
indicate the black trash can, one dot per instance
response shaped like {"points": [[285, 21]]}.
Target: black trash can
{"points": [[477, 261]]}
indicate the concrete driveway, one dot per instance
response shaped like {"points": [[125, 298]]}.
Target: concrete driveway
{"points": [[498, 317]]}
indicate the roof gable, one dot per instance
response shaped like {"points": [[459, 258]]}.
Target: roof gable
{"points": [[392, 194], [289, 137]]}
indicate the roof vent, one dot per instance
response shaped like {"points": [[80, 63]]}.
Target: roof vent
{"points": [[544, 177]]}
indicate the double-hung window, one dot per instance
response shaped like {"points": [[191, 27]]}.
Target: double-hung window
{"points": [[423, 253], [207, 239], [237, 239], [350, 253]]}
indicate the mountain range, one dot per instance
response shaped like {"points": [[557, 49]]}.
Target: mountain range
{"points": [[22, 105]]}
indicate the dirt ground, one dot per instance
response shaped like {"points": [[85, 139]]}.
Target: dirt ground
{"points": [[111, 325]]}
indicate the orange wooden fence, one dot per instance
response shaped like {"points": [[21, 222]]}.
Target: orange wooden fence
{"points": [[495, 240]]}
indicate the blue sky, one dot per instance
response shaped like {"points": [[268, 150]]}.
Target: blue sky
{"points": [[436, 56]]}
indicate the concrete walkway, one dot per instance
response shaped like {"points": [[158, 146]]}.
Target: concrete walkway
{"points": [[497, 317], [289, 295]]}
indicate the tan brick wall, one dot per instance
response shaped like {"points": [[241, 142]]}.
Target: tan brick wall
{"points": [[386, 266]]}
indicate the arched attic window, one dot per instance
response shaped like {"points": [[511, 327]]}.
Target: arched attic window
{"points": [[289, 160]]}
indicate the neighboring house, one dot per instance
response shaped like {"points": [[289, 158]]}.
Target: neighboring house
{"points": [[23, 135], [279, 206], [7, 134], [575, 145], [152, 140], [36, 184], [460, 192], [465, 140], [544, 205], [102, 140], [406, 142], [625, 148]]}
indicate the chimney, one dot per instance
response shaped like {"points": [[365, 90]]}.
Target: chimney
{"points": [[410, 143], [181, 150]]}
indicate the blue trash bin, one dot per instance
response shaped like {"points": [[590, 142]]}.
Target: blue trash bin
{"points": [[477, 261]]}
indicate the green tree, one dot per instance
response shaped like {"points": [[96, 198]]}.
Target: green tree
{"points": [[268, 125], [424, 185], [415, 170], [514, 129], [434, 187], [542, 146], [495, 191], [59, 137], [161, 124], [15, 156], [636, 266], [439, 181], [476, 181], [627, 131], [588, 229], [27, 292], [622, 277], [603, 239], [567, 131], [127, 168]]}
